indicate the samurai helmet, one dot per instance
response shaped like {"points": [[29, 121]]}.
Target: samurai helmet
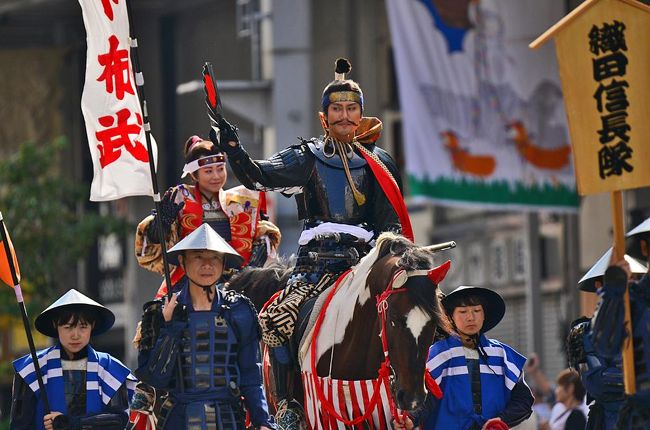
{"points": [[634, 237], [588, 282]]}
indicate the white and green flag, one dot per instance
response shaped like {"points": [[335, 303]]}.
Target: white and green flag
{"points": [[483, 116]]}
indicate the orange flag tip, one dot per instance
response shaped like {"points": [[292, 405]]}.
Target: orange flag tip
{"points": [[5, 266]]}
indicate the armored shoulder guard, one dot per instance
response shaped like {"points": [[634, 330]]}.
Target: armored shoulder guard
{"points": [[641, 291], [294, 155], [152, 320], [232, 297], [243, 314], [576, 340], [608, 325]]}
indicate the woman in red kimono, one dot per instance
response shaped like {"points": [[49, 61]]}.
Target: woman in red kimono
{"points": [[237, 214]]}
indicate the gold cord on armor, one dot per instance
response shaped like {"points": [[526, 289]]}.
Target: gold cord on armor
{"points": [[329, 146], [345, 151]]}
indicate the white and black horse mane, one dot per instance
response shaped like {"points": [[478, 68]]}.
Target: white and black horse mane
{"points": [[412, 257]]}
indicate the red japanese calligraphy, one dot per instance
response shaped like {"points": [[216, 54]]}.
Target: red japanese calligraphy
{"points": [[108, 8], [112, 138], [116, 69]]}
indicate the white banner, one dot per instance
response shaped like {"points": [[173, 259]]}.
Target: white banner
{"points": [[110, 105], [483, 116]]}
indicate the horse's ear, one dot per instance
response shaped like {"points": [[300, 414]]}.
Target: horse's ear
{"points": [[437, 274], [399, 279]]}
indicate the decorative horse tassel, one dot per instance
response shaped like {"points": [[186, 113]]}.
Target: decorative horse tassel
{"points": [[437, 274], [432, 385]]}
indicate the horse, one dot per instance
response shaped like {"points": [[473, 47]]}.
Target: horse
{"points": [[382, 316]]}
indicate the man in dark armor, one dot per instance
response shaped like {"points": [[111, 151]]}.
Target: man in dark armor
{"points": [[595, 344], [202, 347], [601, 377], [635, 414], [347, 190], [86, 389]]}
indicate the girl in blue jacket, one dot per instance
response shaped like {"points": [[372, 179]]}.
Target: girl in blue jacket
{"points": [[481, 379]]}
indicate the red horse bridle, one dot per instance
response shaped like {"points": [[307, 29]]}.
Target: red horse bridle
{"points": [[385, 371]]}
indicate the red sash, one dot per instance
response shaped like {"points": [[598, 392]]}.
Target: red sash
{"points": [[392, 192]]}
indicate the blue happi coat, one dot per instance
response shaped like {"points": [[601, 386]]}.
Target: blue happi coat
{"points": [[104, 376], [448, 366]]}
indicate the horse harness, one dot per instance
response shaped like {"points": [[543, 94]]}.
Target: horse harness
{"points": [[386, 373]]}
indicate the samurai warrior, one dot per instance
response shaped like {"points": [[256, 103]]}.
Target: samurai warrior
{"points": [[595, 344], [202, 346], [347, 191], [237, 214]]}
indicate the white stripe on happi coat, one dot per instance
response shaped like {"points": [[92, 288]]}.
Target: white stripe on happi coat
{"points": [[490, 351]]}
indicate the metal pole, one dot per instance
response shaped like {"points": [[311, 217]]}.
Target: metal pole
{"points": [[23, 311]]}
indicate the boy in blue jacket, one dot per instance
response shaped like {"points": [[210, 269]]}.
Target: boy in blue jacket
{"points": [[85, 388]]}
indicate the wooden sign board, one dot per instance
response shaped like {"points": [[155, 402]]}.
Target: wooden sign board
{"points": [[604, 61]]}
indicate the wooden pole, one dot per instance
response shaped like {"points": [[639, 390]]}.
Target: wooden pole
{"points": [[139, 83], [23, 312], [618, 222]]}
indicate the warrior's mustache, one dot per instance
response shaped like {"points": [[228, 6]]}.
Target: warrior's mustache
{"points": [[345, 121]]}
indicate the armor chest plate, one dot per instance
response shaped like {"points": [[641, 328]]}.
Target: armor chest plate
{"points": [[328, 195], [219, 223], [209, 353], [75, 391]]}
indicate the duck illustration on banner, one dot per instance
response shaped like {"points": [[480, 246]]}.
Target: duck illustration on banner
{"points": [[555, 158], [476, 165]]}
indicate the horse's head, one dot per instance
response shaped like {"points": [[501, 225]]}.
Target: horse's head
{"points": [[405, 281]]}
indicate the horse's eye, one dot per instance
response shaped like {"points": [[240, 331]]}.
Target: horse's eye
{"points": [[392, 323]]}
